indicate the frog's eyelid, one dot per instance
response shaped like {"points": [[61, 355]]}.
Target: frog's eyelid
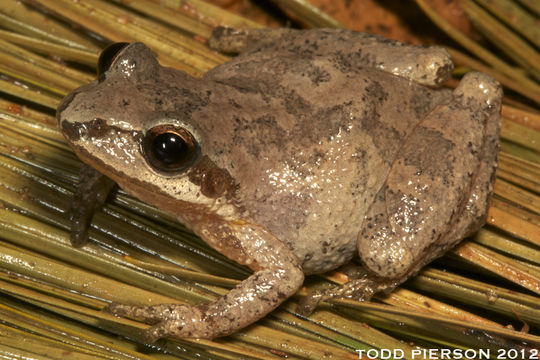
{"points": [[174, 123], [108, 56]]}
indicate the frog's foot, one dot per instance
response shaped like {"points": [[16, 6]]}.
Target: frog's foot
{"points": [[167, 319], [361, 289], [89, 196]]}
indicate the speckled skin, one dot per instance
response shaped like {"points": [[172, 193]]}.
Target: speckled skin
{"points": [[314, 146]]}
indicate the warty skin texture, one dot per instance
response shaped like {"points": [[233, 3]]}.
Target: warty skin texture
{"points": [[312, 147]]}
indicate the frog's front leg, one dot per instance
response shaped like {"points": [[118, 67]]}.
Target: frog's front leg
{"points": [[277, 276], [90, 195]]}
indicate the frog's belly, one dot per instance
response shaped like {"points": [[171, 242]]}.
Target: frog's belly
{"points": [[325, 244], [322, 237], [323, 226]]}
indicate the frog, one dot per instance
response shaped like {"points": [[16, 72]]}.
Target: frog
{"points": [[308, 151]]}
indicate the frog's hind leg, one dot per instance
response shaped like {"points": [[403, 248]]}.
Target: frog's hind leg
{"points": [[436, 193], [432, 196], [477, 205], [350, 50]]}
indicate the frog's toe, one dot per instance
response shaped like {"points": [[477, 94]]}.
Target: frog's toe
{"points": [[90, 195], [361, 289], [477, 89], [224, 39], [149, 314], [117, 309], [167, 328], [168, 320], [178, 328], [154, 333], [309, 303], [183, 321]]}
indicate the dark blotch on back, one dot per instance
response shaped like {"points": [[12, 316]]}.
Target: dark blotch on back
{"points": [[435, 155], [190, 101], [261, 133], [376, 91]]}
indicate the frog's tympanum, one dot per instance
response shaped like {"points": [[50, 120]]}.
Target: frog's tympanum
{"points": [[307, 149]]}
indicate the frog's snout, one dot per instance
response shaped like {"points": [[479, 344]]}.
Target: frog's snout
{"points": [[63, 105], [72, 108], [69, 128]]}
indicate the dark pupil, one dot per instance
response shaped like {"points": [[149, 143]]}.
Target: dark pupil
{"points": [[169, 148]]}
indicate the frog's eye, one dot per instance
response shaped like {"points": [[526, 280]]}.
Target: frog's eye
{"points": [[108, 55], [169, 149]]}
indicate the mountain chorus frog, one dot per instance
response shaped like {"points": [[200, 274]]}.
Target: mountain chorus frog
{"points": [[309, 148]]}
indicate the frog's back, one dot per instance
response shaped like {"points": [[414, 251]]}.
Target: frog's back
{"points": [[316, 136]]}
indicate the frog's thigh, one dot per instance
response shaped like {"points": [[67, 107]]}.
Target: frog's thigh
{"points": [[429, 185], [278, 275]]}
